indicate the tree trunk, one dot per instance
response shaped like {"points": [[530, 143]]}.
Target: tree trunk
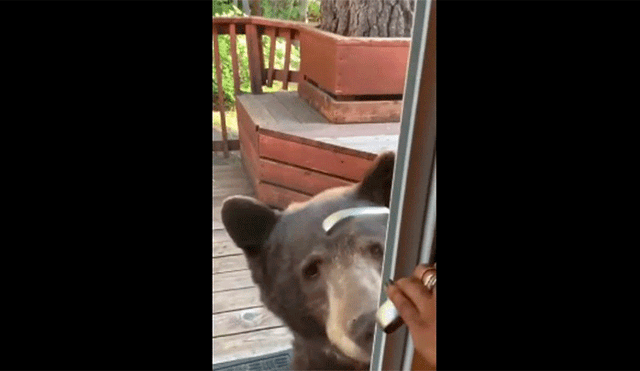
{"points": [[372, 18], [256, 8], [245, 7], [303, 10]]}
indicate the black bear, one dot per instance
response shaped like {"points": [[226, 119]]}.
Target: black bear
{"points": [[324, 285]]}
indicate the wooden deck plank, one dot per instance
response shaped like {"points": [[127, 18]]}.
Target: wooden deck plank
{"points": [[222, 173], [244, 320], [373, 144], [308, 123], [221, 193], [232, 280], [227, 180], [256, 111], [251, 344], [225, 248], [220, 235], [229, 263], [217, 136], [217, 218], [303, 113], [236, 299], [283, 117], [317, 130], [226, 170]]}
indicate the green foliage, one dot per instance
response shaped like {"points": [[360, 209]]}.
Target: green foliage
{"points": [[224, 42], [314, 13], [225, 8], [227, 74], [282, 9], [294, 59]]}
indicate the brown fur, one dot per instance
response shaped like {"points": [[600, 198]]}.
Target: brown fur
{"points": [[283, 247]]}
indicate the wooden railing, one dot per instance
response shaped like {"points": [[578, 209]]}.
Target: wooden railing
{"points": [[254, 28]]}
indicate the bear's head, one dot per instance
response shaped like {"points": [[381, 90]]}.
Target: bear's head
{"points": [[324, 285]]}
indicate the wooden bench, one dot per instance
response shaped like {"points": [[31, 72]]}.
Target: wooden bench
{"points": [[291, 152]]}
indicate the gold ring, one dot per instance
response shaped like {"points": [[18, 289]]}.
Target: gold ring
{"points": [[429, 280]]}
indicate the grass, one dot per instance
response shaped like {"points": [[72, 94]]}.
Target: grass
{"points": [[231, 121]]}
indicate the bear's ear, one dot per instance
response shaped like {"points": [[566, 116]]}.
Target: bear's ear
{"points": [[376, 185], [248, 221]]}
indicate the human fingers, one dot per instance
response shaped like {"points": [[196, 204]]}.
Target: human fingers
{"points": [[420, 270], [422, 299], [403, 304]]}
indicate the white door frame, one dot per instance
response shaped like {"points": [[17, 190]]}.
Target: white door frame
{"points": [[412, 220]]}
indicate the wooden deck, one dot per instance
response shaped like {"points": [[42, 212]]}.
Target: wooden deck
{"points": [[291, 152], [242, 326]]}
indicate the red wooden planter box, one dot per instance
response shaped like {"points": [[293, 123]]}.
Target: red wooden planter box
{"points": [[353, 66]]}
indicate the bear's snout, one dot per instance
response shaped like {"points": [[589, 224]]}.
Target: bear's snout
{"points": [[362, 329]]}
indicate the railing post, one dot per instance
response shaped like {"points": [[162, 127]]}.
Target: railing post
{"points": [[216, 56], [287, 59], [234, 58], [254, 45], [271, 31], [263, 70]]}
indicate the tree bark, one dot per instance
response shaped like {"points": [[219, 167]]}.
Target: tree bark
{"points": [[372, 18]]}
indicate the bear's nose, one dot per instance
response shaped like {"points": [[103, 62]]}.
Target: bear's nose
{"points": [[362, 329]]}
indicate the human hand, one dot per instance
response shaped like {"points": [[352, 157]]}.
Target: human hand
{"points": [[417, 307]]}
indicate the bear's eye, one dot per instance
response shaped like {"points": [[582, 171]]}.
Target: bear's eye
{"points": [[376, 250], [312, 270]]}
